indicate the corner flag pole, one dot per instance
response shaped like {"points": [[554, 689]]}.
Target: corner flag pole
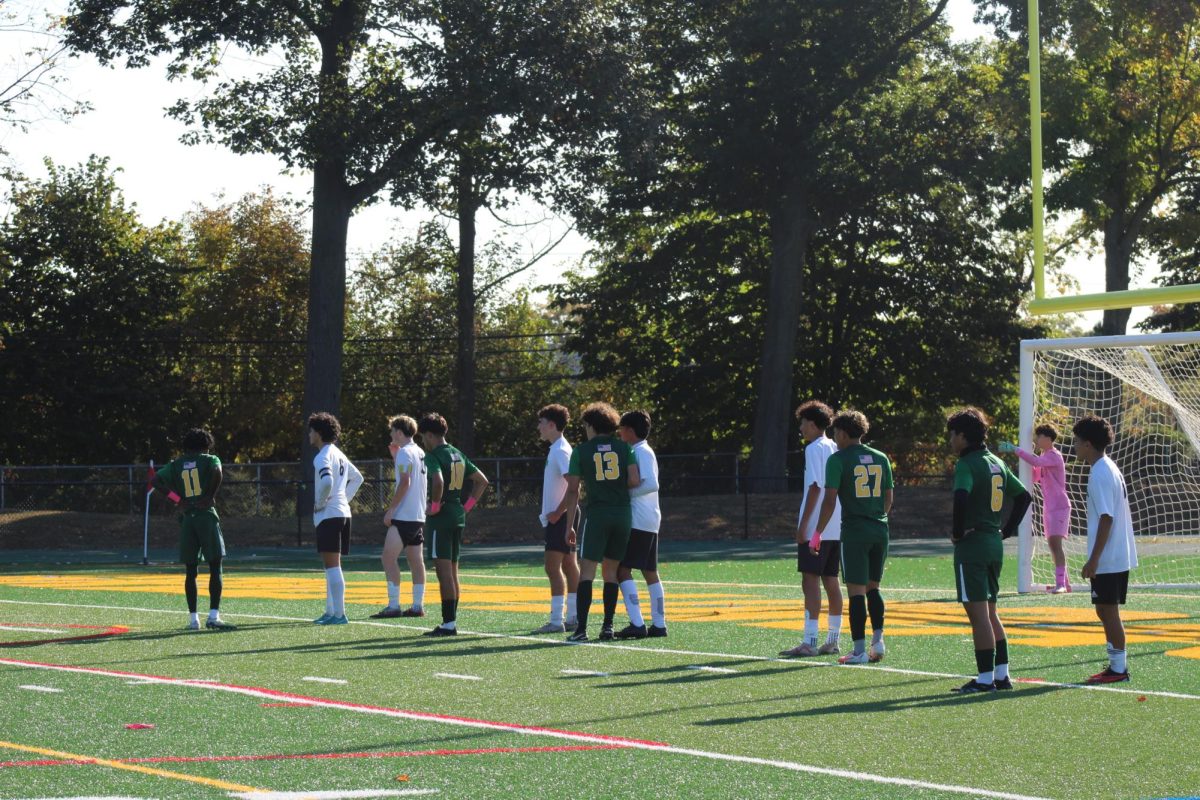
{"points": [[146, 526]]}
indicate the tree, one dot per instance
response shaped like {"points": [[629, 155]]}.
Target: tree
{"points": [[29, 88], [85, 290], [1121, 83]]}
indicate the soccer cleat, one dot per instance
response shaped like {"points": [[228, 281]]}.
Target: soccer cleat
{"points": [[1057, 590], [854, 658], [655, 632], [1003, 684], [606, 633], [332, 620], [829, 649], [799, 651], [388, 613], [876, 651], [578, 636], [440, 631], [975, 687], [413, 611], [324, 618], [630, 632], [1108, 676], [571, 623], [552, 627], [193, 625], [219, 625]]}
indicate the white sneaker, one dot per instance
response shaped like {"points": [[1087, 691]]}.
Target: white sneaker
{"points": [[854, 658], [876, 651]]}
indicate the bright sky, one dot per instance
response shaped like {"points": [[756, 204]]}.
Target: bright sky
{"points": [[166, 178]]}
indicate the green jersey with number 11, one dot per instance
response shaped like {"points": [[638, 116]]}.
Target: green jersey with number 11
{"points": [[190, 476]]}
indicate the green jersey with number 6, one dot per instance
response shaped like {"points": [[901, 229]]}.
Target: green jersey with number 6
{"points": [[602, 464], [861, 475], [454, 467], [987, 481], [190, 476]]}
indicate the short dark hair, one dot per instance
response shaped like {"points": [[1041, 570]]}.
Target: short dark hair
{"points": [[602, 417], [853, 423], [197, 440], [403, 423], [433, 422], [1095, 431], [637, 421], [970, 422], [326, 426], [557, 414], [815, 412], [1049, 431]]}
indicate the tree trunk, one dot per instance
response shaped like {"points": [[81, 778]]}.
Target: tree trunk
{"points": [[468, 205], [1118, 252], [791, 228]]}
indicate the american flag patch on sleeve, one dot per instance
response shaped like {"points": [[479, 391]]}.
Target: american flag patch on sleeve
{"points": [[866, 459]]}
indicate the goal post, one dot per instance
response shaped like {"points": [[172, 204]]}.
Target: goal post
{"points": [[1148, 387]]}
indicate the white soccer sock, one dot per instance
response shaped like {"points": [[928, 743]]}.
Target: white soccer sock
{"points": [[214, 613], [810, 629], [1001, 671], [451, 625], [393, 595], [986, 677], [658, 604], [633, 604], [572, 606], [1117, 661], [877, 636], [835, 628], [337, 591], [328, 596], [557, 602], [194, 617], [418, 595]]}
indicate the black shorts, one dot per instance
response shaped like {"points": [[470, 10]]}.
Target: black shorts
{"points": [[411, 533], [1109, 588], [642, 551], [824, 563], [333, 535], [556, 536]]}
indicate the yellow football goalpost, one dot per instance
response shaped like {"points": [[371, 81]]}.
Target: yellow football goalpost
{"points": [[1083, 302]]}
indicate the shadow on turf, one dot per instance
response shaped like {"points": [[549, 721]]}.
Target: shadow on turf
{"points": [[944, 698]]}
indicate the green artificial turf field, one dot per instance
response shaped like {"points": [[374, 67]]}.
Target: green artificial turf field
{"points": [[374, 709]]}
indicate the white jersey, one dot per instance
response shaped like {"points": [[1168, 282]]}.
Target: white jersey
{"points": [[1106, 495], [816, 455], [336, 482], [554, 479], [410, 461], [644, 498]]}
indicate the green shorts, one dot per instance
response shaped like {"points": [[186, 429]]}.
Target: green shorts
{"points": [[978, 560], [605, 533], [444, 534], [200, 533], [863, 560]]}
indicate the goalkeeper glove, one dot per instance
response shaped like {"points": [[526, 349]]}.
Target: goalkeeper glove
{"points": [[1007, 447]]}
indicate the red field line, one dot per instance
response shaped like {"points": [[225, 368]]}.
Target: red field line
{"points": [[111, 630], [65, 762]]}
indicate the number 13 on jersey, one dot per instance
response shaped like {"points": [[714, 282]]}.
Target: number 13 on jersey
{"points": [[608, 466]]}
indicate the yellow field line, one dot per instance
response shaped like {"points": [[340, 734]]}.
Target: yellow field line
{"points": [[103, 762]]}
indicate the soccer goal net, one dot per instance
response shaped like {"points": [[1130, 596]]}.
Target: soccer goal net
{"points": [[1148, 388]]}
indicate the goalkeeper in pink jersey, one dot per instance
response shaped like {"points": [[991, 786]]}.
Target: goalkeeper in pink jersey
{"points": [[1050, 472]]}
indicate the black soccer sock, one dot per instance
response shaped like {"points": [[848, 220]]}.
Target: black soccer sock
{"points": [[1001, 651], [449, 610], [583, 604], [189, 586], [611, 592], [858, 617], [985, 660], [215, 584], [875, 606]]}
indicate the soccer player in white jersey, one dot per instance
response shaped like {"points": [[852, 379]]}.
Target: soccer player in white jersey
{"points": [[336, 482], [642, 551], [818, 567], [1111, 552], [562, 567], [404, 520]]}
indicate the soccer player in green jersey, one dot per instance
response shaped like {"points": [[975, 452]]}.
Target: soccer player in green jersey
{"points": [[192, 480], [859, 478], [981, 483], [608, 468], [449, 470]]}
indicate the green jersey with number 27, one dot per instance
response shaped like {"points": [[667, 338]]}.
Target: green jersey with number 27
{"points": [[861, 476]]}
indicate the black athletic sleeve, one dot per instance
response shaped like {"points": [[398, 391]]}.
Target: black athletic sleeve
{"points": [[1020, 505], [961, 496]]}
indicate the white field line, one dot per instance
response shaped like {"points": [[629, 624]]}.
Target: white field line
{"points": [[585, 672], [453, 676], [315, 679], [7, 627], [333, 795], [35, 688], [723, 670], [89, 797], [647, 650], [535, 731]]}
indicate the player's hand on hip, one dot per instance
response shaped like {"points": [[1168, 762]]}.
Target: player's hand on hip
{"points": [[554, 516], [387, 518]]}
